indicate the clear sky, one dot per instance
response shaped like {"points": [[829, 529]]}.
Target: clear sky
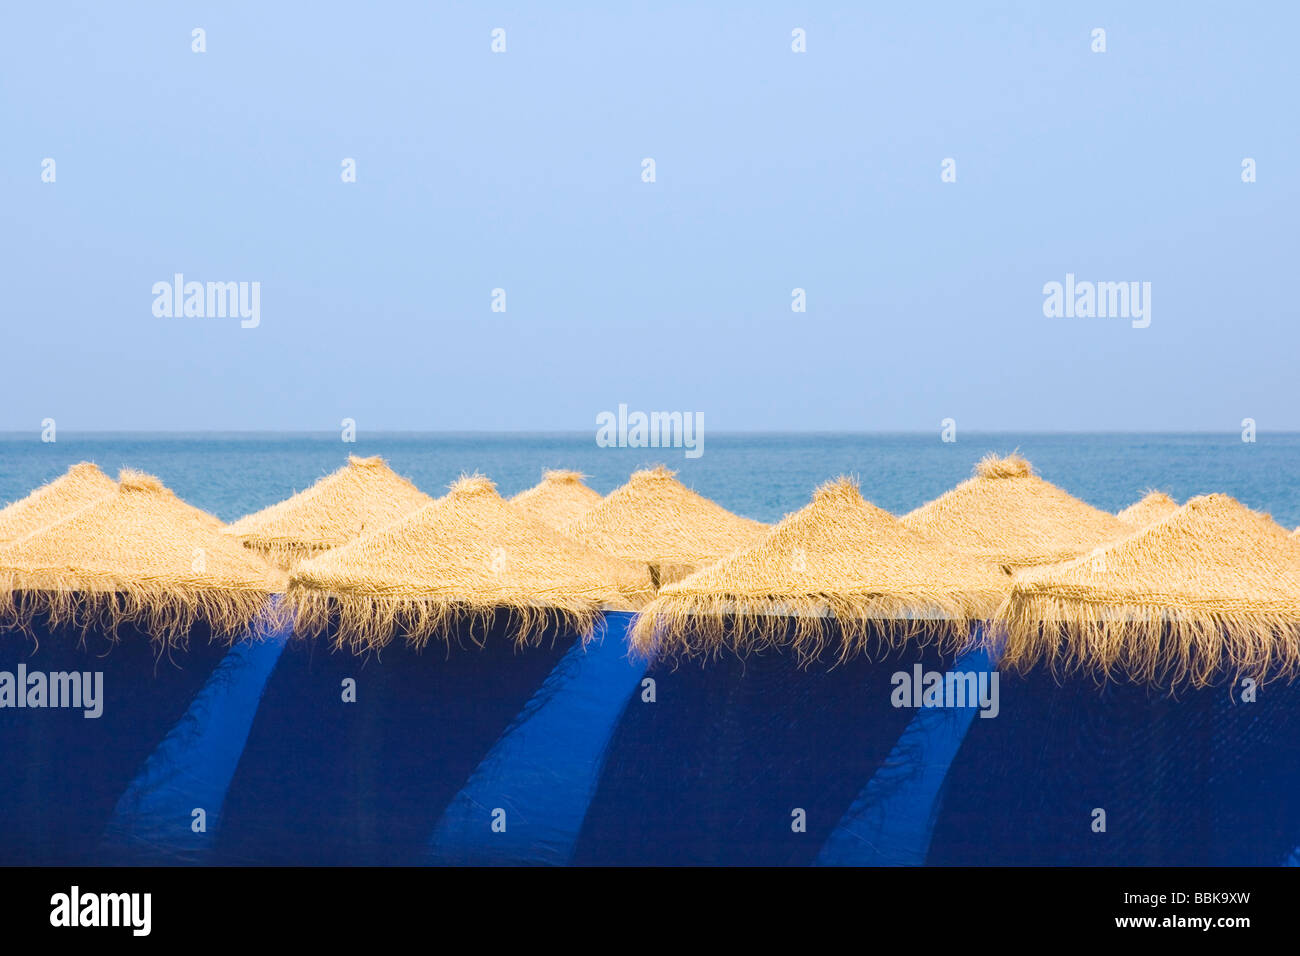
{"points": [[774, 170]]}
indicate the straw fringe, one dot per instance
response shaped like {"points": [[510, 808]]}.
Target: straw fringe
{"points": [[369, 622], [838, 569], [1209, 591], [1161, 644], [460, 563], [874, 625], [283, 554], [104, 604], [130, 558]]}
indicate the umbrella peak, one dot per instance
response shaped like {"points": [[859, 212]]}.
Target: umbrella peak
{"points": [[79, 486], [129, 480], [655, 473], [1012, 466], [842, 488], [562, 476], [475, 484], [363, 495], [1153, 506]]}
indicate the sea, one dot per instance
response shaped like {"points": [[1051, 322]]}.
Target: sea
{"points": [[761, 475]]}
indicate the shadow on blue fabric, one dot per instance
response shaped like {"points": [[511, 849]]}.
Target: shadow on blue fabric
{"points": [[325, 781], [891, 821], [155, 821], [1201, 779], [65, 772], [717, 769], [526, 801]]}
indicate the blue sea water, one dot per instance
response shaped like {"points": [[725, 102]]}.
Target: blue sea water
{"points": [[764, 476]]}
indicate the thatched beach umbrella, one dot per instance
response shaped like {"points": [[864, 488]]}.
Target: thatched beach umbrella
{"points": [[1142, 684], [1008, 516], [1212, 586], [839, 557], [111, 613], [502, 597], [139, 556], [558, 499], [457, 562], [80, 485], [1153, 506], [362, 496], [769, 724], [656, 520]]}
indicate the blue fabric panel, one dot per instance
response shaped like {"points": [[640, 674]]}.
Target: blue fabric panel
{"points": [[544, 769], [1200, 779], [193, 766], [713, 771], [890, 822], [65, 773], [327, 782]]}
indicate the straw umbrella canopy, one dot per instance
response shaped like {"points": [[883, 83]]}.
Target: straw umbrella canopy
{"points": [[1008, 516], [80, 485], [363, 495], [656, 520], [452, 566], [140, 556], [558, 499], [1212, 586], [839, 556], [1154, 506]]}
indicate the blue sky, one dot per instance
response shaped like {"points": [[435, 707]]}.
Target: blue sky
{"points": [[774, 170]]}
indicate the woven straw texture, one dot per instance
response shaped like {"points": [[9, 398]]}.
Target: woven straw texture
{"points": [[141, 556], [657, 520], [1154, 506], [559, 499], [362, 496], [1008, 516], [79, 486], [1212, 588], [838, 556], [448, 569]]}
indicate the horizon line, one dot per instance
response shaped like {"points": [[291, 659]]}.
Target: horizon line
{"points": [[35, 433]]}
